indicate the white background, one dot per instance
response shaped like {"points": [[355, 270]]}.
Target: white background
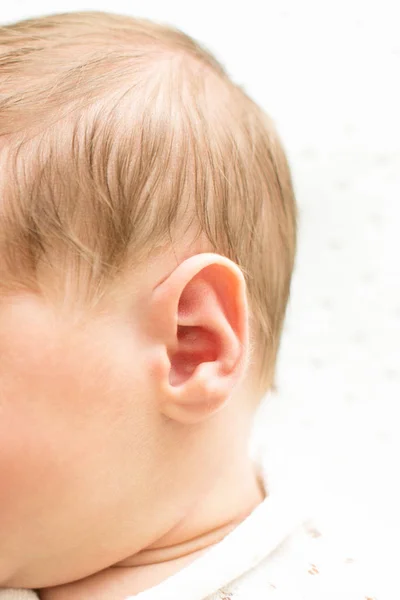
{"points": [[329, 75]]}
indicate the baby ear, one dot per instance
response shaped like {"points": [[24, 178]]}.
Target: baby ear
{"points": [[200, 314]]}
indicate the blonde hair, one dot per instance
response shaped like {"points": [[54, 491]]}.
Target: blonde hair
{"points": [[115, 133]]}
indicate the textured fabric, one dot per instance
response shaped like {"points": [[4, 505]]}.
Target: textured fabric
{"points": [[17, 595], [304, 567]]}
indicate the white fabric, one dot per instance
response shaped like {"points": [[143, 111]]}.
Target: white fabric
{"points": [[278, 552], [17, 595]]}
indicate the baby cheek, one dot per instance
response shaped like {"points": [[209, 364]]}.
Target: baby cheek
{"points": [[34, 446], [28, 469]]}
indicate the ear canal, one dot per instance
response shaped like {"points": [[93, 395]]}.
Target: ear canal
{"points": [[196, 345]]}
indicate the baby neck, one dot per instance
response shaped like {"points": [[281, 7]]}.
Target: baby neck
{"points": [[214, 515]]}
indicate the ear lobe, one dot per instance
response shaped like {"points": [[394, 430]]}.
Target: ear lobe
{"points": [[204, 311]]}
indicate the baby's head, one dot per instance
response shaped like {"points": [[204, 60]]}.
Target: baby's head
{"points": [[147, 240]]}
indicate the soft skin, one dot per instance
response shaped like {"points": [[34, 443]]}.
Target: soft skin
{"points": [[124, 431]]}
